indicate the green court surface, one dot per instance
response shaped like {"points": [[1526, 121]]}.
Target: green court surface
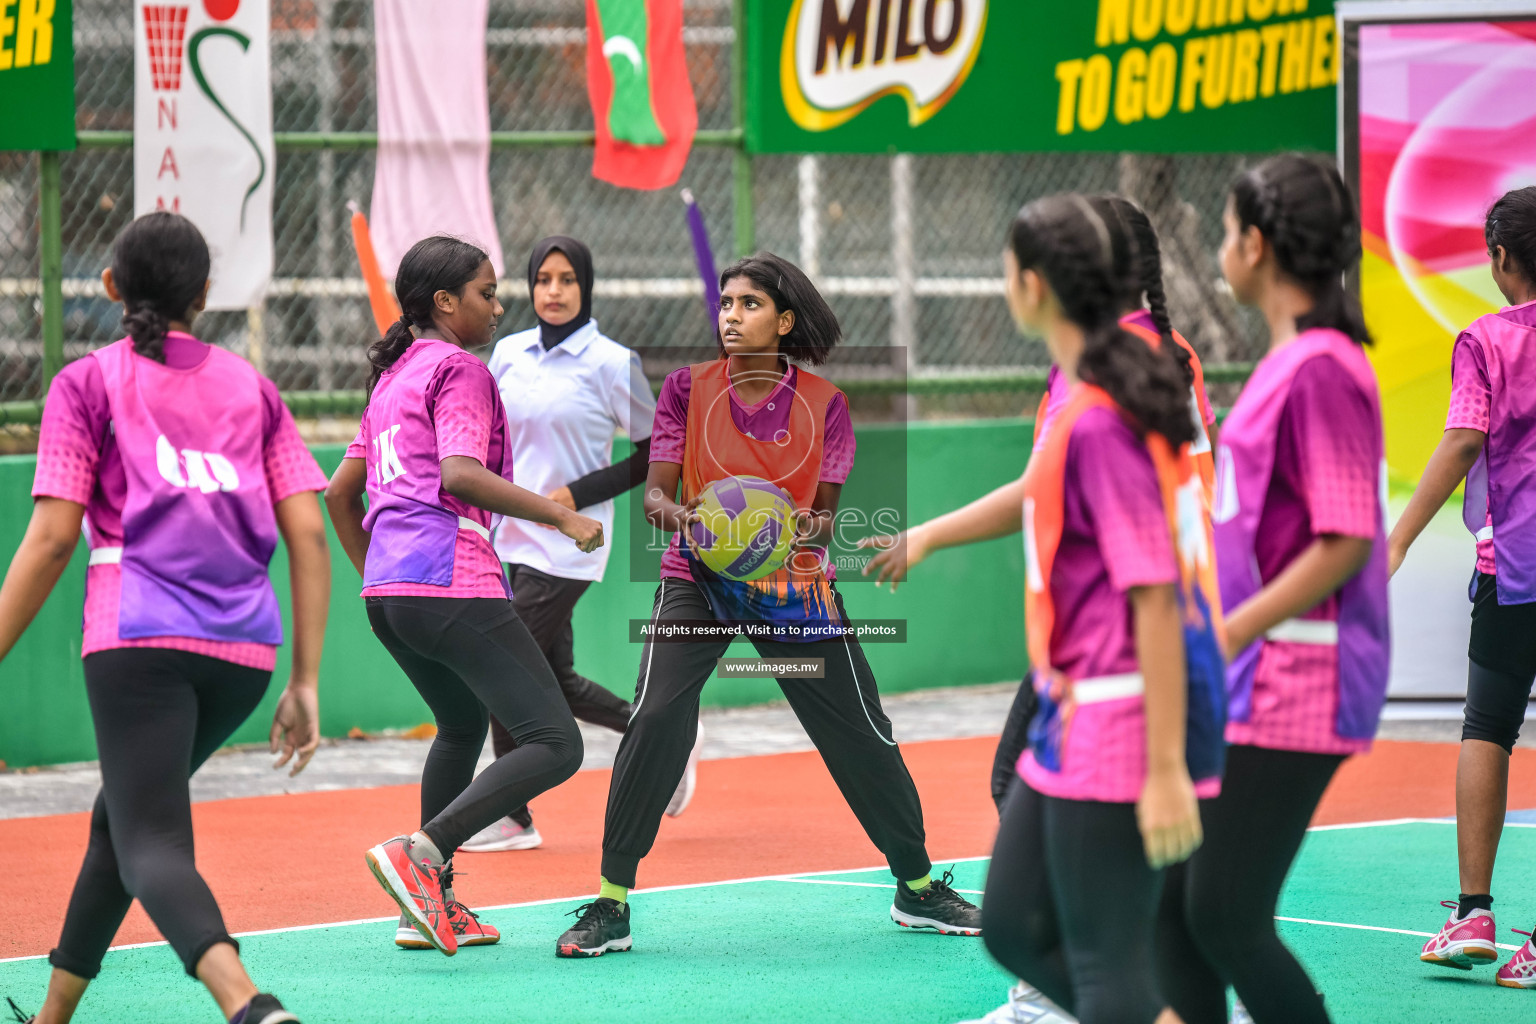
{"points": [[822, 948]]}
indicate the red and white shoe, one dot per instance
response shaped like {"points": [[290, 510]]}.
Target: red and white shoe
{"points": [[1462, 942], [414, 881], [1520, 971], [468, 929]]}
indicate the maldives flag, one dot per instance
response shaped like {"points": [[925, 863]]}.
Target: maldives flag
{"points": [[642, 102]]}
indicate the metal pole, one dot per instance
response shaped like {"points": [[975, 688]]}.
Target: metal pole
{"points": [[904, 267], [741, 162], [51, 251], [810, 216]]}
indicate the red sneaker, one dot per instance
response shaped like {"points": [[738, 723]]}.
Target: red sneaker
{"points": [[467, 928], [1462, 942], [1520, 972], [414, 881]]}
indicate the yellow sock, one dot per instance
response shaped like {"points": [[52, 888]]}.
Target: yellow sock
{"points": [[921, 883], [607, 890]]}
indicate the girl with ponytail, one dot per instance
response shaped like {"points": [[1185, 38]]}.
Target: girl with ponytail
{"points": [[433, 457], [185, 467], [1122, 632], [1302, 560], [1490, 443]]}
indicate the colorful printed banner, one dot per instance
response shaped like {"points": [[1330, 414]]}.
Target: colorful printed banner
{"points": [[1446, 122], [37, 75], [1163, 76], [433, 171], [202, 133]]}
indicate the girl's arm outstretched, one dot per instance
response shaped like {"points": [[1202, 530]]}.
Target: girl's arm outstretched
{"points": [[998, 514], [45, 550], [1454, 456]]}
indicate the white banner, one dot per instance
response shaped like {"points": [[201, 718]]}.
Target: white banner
{"points": [[202, 132]]}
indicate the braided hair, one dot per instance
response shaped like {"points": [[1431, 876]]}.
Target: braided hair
{"points": [[1306, 213], [1512, 224], [1090, 264], [1148, 281], [160, 267], [432, 265]]}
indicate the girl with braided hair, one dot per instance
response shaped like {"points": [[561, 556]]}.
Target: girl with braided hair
{"points": [[433, 456], [1489, 442], [1301, 554], [1122, 635]]}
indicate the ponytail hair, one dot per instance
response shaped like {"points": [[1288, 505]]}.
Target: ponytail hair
{"points": [[1306, 213], [160, 267], [1148, 280], [1512, 224], [1090, 264], [816, 331], [432, 265]]}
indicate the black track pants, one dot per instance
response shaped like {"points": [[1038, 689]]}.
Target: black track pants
{"points": [[841, 713], [464, 656], [158, 714]]}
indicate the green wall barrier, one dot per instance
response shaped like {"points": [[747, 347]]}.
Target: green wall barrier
{"points": [[964, 611]]}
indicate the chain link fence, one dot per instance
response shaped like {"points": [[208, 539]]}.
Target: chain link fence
{"points": [[907, 248]]}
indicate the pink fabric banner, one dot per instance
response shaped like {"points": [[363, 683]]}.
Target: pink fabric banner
{"points": [[432, 174]]}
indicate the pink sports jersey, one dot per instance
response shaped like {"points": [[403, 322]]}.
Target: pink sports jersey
{"points": [[1114, 537], [466, 418], [1471, 409], [669, 439], [1326, 479], [78, 460]]}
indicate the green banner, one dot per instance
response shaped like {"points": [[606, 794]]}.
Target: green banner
{"points": [[960, 76], [37, 75]]}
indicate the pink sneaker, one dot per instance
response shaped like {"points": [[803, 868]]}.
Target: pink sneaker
{"points": [[1520, 971], [1463, 942]]}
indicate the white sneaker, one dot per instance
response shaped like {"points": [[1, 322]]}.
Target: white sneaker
{"points": [[1025, 1005], [683, 795], [505, 834]]}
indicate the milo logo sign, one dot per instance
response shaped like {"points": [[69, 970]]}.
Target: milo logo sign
{"points": [[840, 56]]}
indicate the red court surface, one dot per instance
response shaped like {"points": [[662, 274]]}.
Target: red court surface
{"points": [[293, 860]]}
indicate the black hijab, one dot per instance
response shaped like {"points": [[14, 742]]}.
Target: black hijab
{"points": [[581, 261]]}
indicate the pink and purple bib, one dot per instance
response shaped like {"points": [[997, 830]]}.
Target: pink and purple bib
{"points": [[198, 526]]}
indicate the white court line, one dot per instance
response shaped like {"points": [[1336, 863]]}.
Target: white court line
{"points": [[1376, 928], [866, 885], [1407, 821], [529, 903]]}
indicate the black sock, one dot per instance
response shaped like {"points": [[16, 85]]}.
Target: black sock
{"points": [[1470, 903]]}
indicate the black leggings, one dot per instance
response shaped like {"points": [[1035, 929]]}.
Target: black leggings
{"points": [[464, 656], [159, 714], [1216, 925], [841, 714], [1070, 905], [545, 603]]}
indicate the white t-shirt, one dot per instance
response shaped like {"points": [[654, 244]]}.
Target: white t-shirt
{"points": [[563, 408]]}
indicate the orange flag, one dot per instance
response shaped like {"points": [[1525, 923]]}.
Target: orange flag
{"points": [[385, 309]]}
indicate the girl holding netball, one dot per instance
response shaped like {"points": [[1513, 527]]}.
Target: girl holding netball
{"points": [[1122, 635], [433, 457], [566, 388], [1303, 566], [184, 466], [1490, 441], [752, 411]]}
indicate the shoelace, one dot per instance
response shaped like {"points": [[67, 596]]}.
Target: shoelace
{"points": [[941, 888], [1517, 931], [455, 908], [586, 911], [21, 1018]]}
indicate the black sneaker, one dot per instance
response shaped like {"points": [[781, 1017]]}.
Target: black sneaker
{"points": [[938, 907], [265, 1009], [601, 926]]}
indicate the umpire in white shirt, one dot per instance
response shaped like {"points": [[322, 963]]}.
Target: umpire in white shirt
{"points": [[567, 388]]}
